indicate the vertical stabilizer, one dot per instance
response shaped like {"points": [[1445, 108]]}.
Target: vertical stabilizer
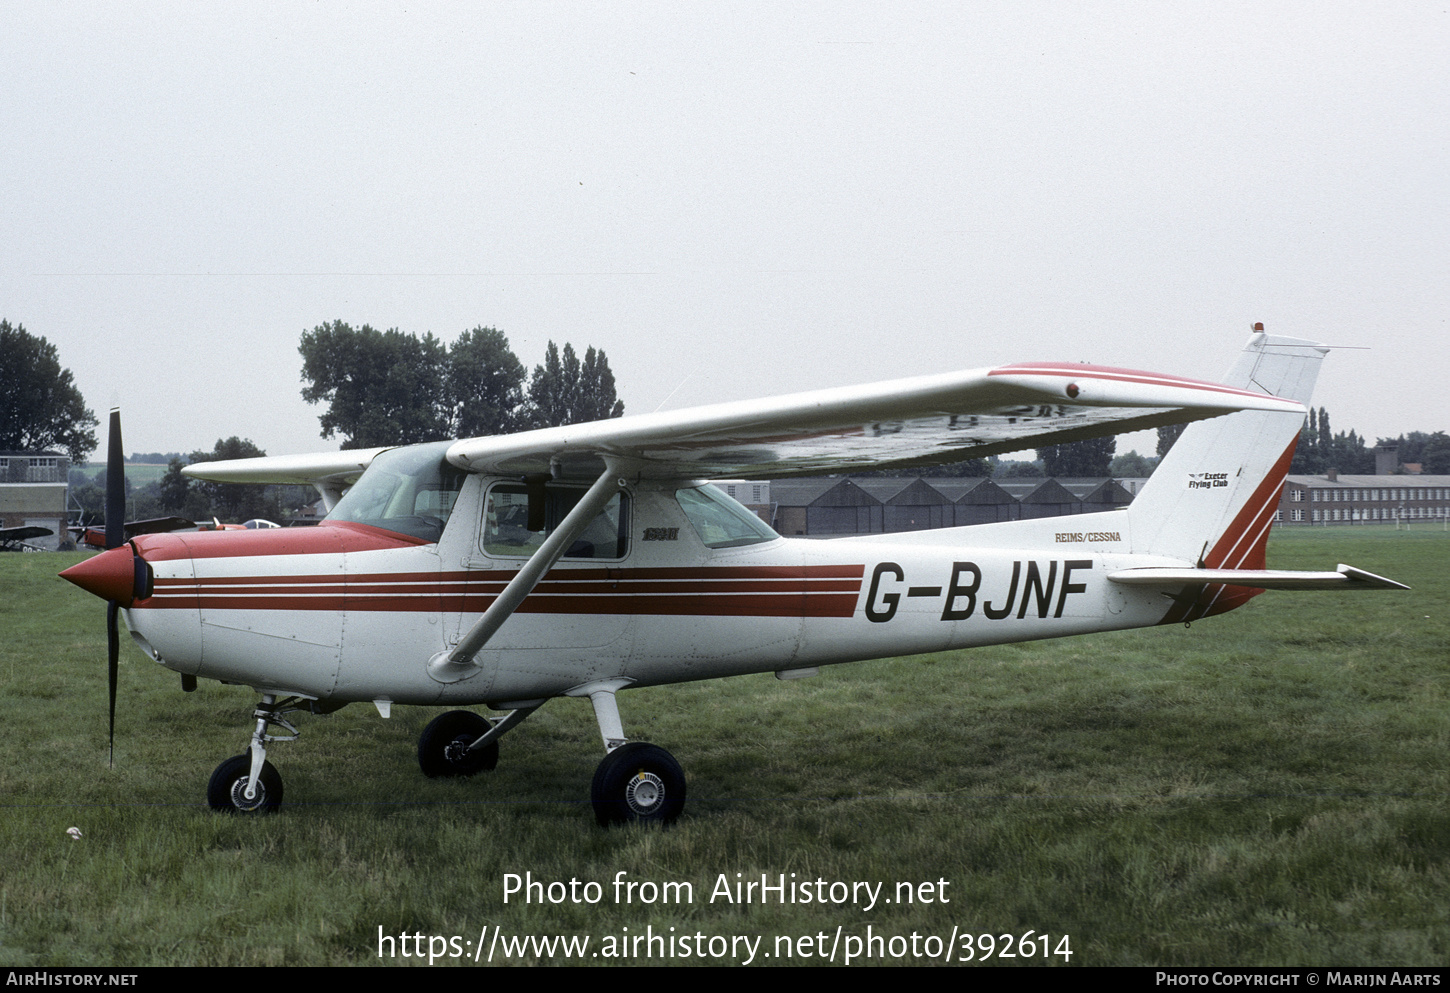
{"points": [[1212, 499]]}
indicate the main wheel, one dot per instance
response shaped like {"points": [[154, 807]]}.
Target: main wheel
{"points": [[638, 782], [227, 790], [443, 745]]}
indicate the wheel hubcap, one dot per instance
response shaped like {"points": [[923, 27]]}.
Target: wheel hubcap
{"points": [[644, 793], [456, 751], [239, 795]]}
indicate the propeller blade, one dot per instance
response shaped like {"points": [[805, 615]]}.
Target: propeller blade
{"points": [[115, 486], [115, 537], [113, 654]]}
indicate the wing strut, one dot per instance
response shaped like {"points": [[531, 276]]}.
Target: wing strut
{"points": [[450, 667]]}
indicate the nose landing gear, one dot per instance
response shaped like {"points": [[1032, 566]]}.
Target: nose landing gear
{"points": [[249, 784], [232, 781]]}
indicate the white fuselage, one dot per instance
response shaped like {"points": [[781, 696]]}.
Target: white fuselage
{"points": [[345, 612]]}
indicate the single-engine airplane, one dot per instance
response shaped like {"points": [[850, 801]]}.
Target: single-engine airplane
{"points": [[16, 539], [580, 561], [95, 537]]}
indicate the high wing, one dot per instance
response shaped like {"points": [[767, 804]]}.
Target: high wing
{"points": [[14, 539], [24, 533], [329, 472], [925, 420]]}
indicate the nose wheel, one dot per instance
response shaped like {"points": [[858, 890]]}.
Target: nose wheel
{"points": [[228, 788], [249, 784]]}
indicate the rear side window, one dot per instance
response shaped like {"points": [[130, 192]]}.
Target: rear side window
{"points": [[720, 521], [506, 517]]}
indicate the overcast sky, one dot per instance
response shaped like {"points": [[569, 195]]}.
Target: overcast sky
{"points": [[730, 199]]}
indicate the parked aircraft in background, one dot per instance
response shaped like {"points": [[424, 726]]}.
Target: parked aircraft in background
{"points": [[14, 539], [95, 537]]}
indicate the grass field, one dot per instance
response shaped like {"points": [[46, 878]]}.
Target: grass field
{"points": [[1268, 787]]}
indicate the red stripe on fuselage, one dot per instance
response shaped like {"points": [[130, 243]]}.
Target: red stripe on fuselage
{"points": [[765, 591], [274, 586], [727, 605], [809, 572]]}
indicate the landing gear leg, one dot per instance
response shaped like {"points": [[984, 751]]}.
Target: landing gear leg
{"points": [[249, 784], [461, 743], [636, 781]]}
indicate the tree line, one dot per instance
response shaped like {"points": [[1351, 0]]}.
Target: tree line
{"points": [[1320, 449], [175, 495], [384, 388], [1431, 451], [394, 388], [41, 409]]}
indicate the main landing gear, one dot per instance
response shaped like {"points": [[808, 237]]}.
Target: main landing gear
{"points": [[444, 746], [636, 781]]}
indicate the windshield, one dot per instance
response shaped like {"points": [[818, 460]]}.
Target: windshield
{"points": [[409, 490], [720, 521]]}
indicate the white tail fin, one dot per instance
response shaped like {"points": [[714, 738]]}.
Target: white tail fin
{"points": [[1212, 499]]}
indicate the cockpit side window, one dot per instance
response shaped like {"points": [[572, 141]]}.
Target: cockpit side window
{"points": [[506, 515], [408, 490]]}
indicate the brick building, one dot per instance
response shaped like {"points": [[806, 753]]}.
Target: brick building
{"points": [[33, 488], [1335, 499]]}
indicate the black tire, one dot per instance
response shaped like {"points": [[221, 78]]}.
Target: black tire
{"points": [[443, 743], [227, 790], [638, 782]]}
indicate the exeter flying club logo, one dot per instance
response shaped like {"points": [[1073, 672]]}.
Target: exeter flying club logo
{"points": [[1207, 480]]}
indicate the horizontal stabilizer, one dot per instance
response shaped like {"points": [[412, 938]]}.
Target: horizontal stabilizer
{"points": [[1346, 578]]}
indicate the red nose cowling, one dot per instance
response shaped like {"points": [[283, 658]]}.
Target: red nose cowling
{"points": [[110, 575]]}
